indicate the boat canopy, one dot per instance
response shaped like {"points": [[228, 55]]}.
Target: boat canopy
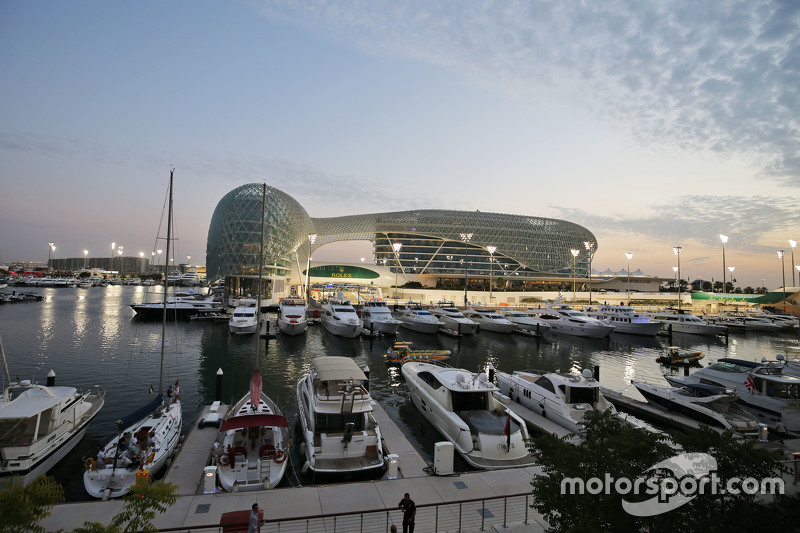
{"points": [[331, 368], [35, 401], [249, 421]]}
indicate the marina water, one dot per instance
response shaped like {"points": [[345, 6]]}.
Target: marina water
{"points": [[90, 337]]}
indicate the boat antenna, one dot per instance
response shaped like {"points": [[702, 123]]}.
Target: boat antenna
{"points": [[166, 276], [260, 272]]}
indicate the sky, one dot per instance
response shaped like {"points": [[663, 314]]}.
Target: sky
{"points": [[653, 124]]}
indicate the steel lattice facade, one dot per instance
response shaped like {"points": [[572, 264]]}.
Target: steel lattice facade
{"points": [[427, 242]]}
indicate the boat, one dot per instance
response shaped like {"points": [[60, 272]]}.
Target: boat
{"points": [[743, 322], [526, 323], [190, 278], [339, 318], [625, 319], [564, 398], [415, 318], [253, 441], [762, 389], [565, 320], [676, 357], [378, 318], [180, 305], [401, 352], [292, 316], [452, 321], [786, 322], [155, 426], [244, 320], [489, 320], [462, 407], [709, 404], [340, 433], [40, 424], [682, 321]]}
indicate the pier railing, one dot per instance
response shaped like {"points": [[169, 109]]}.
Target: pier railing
{"points": [[464, 515]]}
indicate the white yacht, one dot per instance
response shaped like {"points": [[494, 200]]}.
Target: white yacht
{"points": [[378, 318], [743, 322], [681, 321], [563, 398], [461, 406], [253, 443], [340, 433], [452, 321], [416, 318], [625, 319], [181, 305], [190, 278], [526, 323], [244, 320], [489, 320], [292, 316], [709, 404], [40, 424], [763, 389], [565, 320], [339, 318], [786, 322]]}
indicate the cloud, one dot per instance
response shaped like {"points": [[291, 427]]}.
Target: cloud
{"points": [[714, 76]]}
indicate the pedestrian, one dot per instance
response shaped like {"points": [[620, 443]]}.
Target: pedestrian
{"points": [[177, 390], [253, 527], [169, 392], [409, 512]]}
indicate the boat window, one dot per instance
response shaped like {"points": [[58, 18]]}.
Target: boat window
{"points": [[588, 395], [430, 379], [337, 422], [545, 383], [469, 401]]}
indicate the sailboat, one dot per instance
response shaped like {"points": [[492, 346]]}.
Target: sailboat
{"points": [[156, 428], [252, 445]]}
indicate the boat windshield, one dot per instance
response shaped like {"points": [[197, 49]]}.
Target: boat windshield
{"points": [[728, 367], [469, 401], [588, 395], [326, 423]]}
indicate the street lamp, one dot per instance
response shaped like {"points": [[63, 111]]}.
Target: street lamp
{"points": [[188, 258], [677, 251], [396, 247], [113, 249], [724, 239], [731, 269], [575, 253], [119, 251], [590, 248], [85, 253], [629, 256], [49, 254], [793, 243], [466, 237], [783, 273], [312, 238], [491, 250]]}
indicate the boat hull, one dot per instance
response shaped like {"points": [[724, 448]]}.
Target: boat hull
{"points": [[420, 327], [288, 327]]}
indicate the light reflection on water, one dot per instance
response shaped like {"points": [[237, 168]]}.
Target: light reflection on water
{"points": [[88, 336]]}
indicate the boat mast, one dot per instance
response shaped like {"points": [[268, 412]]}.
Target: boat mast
{"points": [[166, 275], [260, 272]]}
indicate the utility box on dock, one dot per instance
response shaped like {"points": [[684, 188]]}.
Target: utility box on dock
{"points": [[443, 458]]}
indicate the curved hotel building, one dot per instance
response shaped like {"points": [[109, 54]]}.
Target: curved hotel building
{"points": [[424, 245]]}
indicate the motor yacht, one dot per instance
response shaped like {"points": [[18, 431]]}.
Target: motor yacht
{"points": [[682, 321], [417, 319], [339, 318], [743, 322], [762, 388], [340, 433], [190, 278], [786, 322], [526, 323], [564, 398], [709, 404], [489, 320], [452, 321], [565, 320], [292, 316], [40, 424], [253, 443], [244, 320], [378, 318], [462, 407], [625, 319], [180, 305]]}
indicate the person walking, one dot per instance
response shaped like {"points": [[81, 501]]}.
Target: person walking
{"points": [[409, 512], [253, 526]]}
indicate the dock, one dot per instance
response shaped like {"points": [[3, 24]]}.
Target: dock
{"points": [[652, 412], [537, 422]]}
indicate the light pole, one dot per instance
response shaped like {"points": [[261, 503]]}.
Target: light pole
{"points": [[629, 256], [50, 249], [119, 251], [85, 254], [491, 250], [590, 248], [396, 247], [575, 253], [731, 269], [793, 243], [783, 273], [113, 249], [312, 238], [677, 251], [724, 239], [466, 237], [188, 259]]}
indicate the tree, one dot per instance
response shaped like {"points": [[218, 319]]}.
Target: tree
{"points": [[21, 508], [142, 505]]}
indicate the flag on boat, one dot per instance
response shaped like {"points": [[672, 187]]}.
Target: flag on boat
{"points": [[750, 384], [255, 389]]}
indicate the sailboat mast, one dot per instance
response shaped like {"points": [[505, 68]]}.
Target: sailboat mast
{"points": [[260, 273], [166, 276]]}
